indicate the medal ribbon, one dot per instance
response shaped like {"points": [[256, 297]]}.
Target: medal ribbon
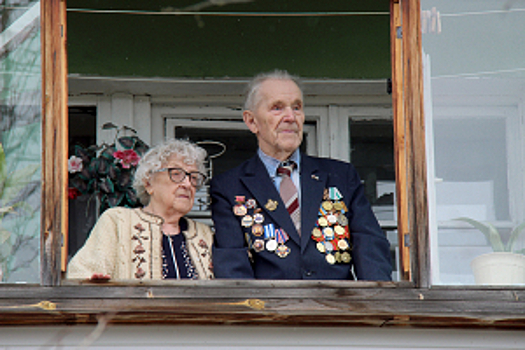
{"points": [[269, 231], [282, 236]]}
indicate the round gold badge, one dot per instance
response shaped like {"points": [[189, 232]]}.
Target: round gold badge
{"points": [[345, 257], [327, 205], [322, 221], [320, 247], [339, 230], [316, 232], [338, 206], [342, 244], [330, 259]]}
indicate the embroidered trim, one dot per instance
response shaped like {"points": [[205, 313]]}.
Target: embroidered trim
{"points": [[139, 250]]}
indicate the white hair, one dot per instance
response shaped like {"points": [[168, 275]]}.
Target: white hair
{"points": [[252, 90], [157, 157]]}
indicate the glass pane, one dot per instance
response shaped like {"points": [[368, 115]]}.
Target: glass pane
{"points": [[20, 154], [474, 87]]}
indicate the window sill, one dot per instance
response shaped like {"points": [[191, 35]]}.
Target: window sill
{"points": [[293, 303]]}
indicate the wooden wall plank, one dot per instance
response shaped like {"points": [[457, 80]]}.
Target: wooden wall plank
{"points": [[415, 142], [54, 139]]}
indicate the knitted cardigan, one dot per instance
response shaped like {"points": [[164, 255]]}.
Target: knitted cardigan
{"points": [[127, 244]]}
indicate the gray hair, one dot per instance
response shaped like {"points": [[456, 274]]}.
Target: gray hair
{"points": [[158, 156], [252, 90]]}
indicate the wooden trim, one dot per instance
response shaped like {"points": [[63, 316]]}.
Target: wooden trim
{"points": [[271, 303], [415, 141], [54, 139], [399, 141]]}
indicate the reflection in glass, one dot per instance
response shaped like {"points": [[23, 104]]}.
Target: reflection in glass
{"points": [[20, 158], [474, 88]]}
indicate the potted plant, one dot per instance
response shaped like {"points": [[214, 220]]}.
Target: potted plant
{"points": [[505, 265]]}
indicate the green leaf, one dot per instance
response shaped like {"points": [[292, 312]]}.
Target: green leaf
{"points": [[109, 125], [514, 236], [107, 185], [127, 142], [114, 199], [491, 233]]}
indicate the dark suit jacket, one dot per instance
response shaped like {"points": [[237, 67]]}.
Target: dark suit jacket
{"points": [[370, 248]]}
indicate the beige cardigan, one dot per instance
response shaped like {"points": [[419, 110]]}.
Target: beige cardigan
{"points": [[127, 245]]}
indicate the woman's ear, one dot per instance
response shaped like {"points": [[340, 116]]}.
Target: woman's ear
{"points": [[249, 120]]}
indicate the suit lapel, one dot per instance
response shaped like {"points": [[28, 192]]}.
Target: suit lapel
{"points": [[313, 183], [260, 185]]}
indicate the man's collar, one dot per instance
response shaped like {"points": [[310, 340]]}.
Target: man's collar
{"points": [[272, 163]]}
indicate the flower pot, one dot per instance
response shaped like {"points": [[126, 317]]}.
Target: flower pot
{"points": [[499, 268]]}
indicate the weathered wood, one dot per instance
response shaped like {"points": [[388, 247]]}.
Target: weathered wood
{"points": [[399, 140], [292, 303], [415, 142], [54, 139]]}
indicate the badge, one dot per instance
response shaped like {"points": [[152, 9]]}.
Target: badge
{"points": [[258, 245], [343, 221], [271, 245], [342, 244], [332, 219], [282, 251], [240, 210], [328, 233], [322, 221], [327, 205], [239, 199], [339, 230], [330, 259], [345, 257], [320, 247], [251, 203], [338, 206], [258, 218], [247, 221], [257, 230], [316, 232], [271, 205], [328, 246], [337, 257]]}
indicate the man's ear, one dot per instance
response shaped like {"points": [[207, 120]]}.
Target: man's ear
{"points": [[249, 120]]}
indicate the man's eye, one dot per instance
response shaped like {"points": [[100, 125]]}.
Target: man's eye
{"points": [[276, 108]]}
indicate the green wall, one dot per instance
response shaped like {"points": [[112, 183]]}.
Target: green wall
{"points": [[353, 47]]}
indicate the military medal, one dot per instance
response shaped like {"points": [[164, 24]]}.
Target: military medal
{"points": [[257, 230], [258, 245], [251, 203], [240, 210], [331, 232], [282, 250], [271, 205], [258, 218], [247, 221]]}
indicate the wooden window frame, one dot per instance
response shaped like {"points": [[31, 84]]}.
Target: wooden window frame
{"points": [[411, 302]]}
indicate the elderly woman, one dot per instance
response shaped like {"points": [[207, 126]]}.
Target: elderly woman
{"points": [[154, 242]]}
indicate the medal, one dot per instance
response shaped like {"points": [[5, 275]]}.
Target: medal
{"points": [[330, 259], [282, 251], [271, 245], [257, 230], [251, 203], [334, 194], [345, 257], [258, 218], [320, 247], [342, 244], [247, 221], [328, 233], [339, 230], [258, 245], [327, 205], [343, 221], [240, 210], [338, 206], [322, 221], [332, 219], [271, 205]]}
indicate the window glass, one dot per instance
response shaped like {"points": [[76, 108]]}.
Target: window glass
{"points": [[474, 87], [20, 157]]}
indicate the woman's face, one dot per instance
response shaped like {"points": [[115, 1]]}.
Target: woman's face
{"points": [[167, 196]]}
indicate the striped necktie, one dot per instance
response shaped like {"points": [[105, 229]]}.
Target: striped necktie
{"points": [[289, 193]]}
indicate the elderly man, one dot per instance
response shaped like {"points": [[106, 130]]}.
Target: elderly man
{"points": [[286, 215]]}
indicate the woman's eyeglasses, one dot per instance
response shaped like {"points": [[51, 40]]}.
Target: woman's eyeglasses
{"points": [[178, 175]]}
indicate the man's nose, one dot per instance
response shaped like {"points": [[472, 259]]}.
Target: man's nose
{"points": [[289, 113]]}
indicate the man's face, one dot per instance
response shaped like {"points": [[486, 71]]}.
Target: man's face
{"points": [[278, 118]]}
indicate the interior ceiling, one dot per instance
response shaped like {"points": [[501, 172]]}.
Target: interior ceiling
{"points": [[337, 39]]}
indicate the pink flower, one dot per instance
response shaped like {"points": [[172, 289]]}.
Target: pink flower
{"points": [[74, 164], [127, 157]]}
